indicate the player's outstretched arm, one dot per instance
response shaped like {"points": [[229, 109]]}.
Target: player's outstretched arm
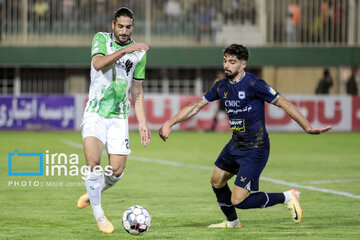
{"points": [[295, 114], [100, 61], [184, 114], [137, 95]]}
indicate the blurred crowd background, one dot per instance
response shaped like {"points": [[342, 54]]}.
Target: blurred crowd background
{"points": [[180, 24], [184, 22], [300, 47]]}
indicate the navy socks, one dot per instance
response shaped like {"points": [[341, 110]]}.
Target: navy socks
{"points": [[223, 196], [261, 200]]}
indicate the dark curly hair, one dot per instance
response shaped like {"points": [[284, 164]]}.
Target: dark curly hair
{"points": [[241, 52]]}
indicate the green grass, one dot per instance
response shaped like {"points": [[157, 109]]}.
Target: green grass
{"points": [[180, 198]]}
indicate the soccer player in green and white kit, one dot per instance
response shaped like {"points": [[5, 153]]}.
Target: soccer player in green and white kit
{"points": [[117, 67]]}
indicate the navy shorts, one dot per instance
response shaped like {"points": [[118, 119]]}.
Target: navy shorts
{"points": [[246, 164]]}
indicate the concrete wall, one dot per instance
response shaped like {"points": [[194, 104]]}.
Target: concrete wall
{"points": [[299, 80]]}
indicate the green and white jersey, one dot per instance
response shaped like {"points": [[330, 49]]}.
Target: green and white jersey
{"points": [[110, 86]]}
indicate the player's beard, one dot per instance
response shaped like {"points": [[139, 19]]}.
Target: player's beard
{"points": [[122, 39], [230, 75]]}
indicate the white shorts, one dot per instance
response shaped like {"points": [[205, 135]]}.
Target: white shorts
{"points": [[112, 132]]}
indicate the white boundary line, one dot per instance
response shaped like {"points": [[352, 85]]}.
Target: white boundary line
{"points": [[333, 181], [316, 189], [192, 166]]}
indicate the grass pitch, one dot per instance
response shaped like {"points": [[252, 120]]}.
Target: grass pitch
{"points": [[171, 180]]}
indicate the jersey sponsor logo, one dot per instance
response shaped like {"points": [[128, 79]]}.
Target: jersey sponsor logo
{"points": [[241, 94], [245, 109], [232, 103], [237, 125], [128, 65], [125, 65]]}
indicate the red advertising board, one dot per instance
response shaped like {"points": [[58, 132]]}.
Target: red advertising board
{"points": [[340, 111]]}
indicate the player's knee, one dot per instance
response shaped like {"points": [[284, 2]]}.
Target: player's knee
{"points": [[217, 183], [118, 170], [238, 198]]}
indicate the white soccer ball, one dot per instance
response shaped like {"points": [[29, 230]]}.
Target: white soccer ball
{"points": [[136, 220]]}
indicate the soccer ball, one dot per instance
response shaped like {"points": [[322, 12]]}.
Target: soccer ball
{"points": [[136, 220]]}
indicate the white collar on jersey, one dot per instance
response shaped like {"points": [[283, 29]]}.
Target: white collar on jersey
{"points": [[238, 80]]}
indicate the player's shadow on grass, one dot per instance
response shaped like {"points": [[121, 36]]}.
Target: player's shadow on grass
{"points": [[194, 224]]}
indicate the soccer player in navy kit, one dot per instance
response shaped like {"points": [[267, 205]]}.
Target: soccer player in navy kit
{"points": [[246, 154]]}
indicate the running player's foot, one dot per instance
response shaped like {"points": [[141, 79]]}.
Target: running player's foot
{"points": [[294, 205], [224, 224], [83, 201], [105, 225]]}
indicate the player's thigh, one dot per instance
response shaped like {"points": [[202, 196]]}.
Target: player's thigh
{"points": [[220, 177], [117, 141], [225, 167], [117, 163], [94, 137], [93, 148], [247, 179], [94, 125], [252, 163]]}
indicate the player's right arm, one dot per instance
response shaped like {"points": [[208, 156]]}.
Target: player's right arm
{"points": [[100, 59], [186, 113]]}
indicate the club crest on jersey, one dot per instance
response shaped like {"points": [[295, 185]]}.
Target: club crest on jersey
{"points": [[241, 94]]}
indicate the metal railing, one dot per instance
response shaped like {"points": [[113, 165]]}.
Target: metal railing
{"points": [[184, 22], [316, 22]]}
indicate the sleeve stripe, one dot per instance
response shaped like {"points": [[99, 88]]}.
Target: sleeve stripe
{"points": [[276, 98], [138, 80], [97, 54], [206, 99]]}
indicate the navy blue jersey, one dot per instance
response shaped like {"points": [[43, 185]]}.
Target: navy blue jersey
{"points": [[244, 104]]}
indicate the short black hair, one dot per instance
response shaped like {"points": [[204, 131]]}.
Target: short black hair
{"points": [[238, 50], [123, 12]]}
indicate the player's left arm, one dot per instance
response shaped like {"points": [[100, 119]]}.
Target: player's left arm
{"points": [[295, 114], [137, 95]]}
